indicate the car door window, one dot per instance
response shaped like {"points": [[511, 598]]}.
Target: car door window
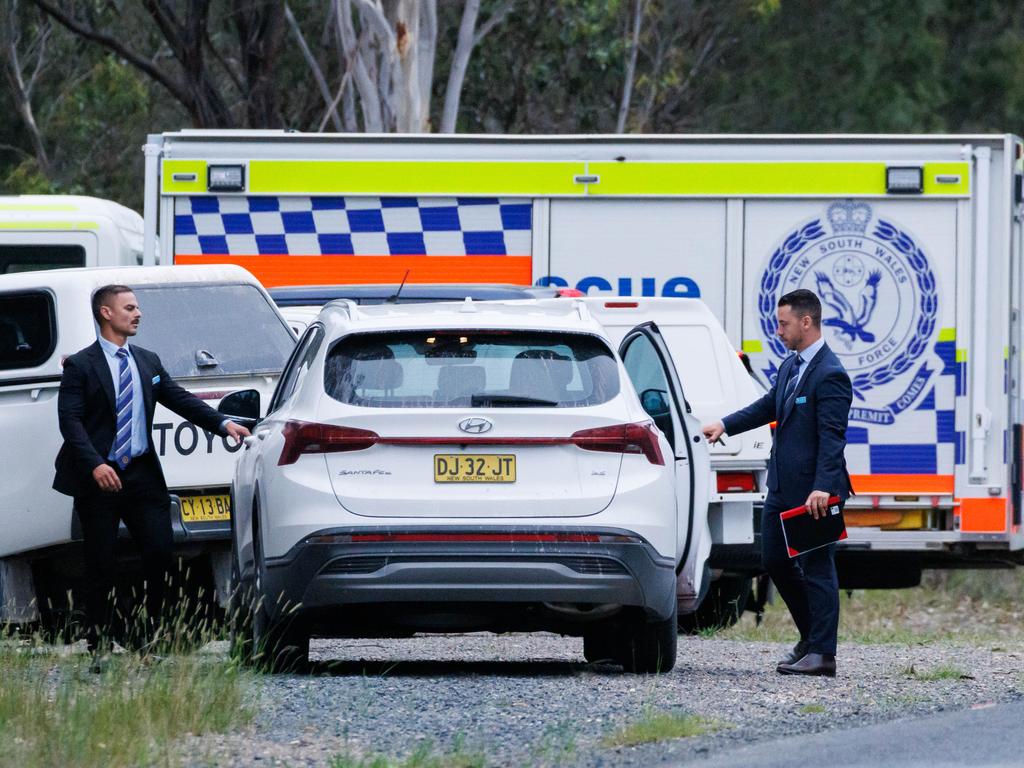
{"points": [[303, 356], [647, 372], [27, 329]]}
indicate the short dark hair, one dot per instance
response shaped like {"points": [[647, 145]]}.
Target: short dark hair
{"points": [[803, 302], [103, 295]]}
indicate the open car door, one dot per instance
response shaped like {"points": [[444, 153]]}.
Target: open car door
{"points": [[653, 373]]}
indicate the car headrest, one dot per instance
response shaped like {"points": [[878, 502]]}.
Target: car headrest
{"points": [[540, 373], [455, 381], [380, 374]]}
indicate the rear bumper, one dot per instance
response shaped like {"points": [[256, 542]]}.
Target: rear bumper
{"points": [[318, 574]]}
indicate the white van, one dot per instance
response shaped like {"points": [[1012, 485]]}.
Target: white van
{"points": [[65, 231], [215, 329]]}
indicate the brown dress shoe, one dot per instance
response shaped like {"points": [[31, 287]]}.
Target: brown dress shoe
{"points": [[812, 664], [798, 652]]}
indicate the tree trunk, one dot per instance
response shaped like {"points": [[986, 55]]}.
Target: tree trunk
{"points": [[630, 75]]}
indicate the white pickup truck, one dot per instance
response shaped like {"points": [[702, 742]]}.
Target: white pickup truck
{"points": [[215, 329]]}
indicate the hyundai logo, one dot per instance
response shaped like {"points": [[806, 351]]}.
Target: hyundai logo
{"points": [[476, 425]]}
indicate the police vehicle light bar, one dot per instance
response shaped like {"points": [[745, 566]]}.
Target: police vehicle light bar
{"points": [[904, 180], [225, 178]]}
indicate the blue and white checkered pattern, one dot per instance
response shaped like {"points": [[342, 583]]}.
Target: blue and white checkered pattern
{"points": [[926, 439], [364, 226]]}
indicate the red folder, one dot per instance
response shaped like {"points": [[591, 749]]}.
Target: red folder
{"points": [[803, 533]]}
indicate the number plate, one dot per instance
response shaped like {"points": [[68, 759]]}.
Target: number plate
{"points": [[474, 468], [205, 509]]}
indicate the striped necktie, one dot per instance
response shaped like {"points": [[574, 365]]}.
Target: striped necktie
{"points": [[794, 375], [123, 436]]}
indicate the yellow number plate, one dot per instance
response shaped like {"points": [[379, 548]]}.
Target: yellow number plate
{"points": [[474, 468], [205, 509]]}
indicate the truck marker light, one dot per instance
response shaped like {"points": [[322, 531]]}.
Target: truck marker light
{"points": [[225, 178], [904, 180]]}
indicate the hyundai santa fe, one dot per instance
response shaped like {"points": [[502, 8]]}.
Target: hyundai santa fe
{"points": [[465, 467]]}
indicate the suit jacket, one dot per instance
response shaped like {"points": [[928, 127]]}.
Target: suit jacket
{"points": [[810, 435], [85, 408]]}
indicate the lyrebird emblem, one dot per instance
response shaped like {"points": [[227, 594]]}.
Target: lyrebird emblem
{"points": [[851, 322]]}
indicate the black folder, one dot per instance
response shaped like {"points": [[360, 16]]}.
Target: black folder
{"points": [[803, 533]]}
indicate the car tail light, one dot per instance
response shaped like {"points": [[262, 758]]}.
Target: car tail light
{"points": [[736, 482], [306, 437], [622, 438], [621, 304], [572, 293]]}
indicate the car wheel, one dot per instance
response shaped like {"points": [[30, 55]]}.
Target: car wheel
{"points": [[279, 636], [281, 643], [649, 647], [240, 610], [721, 607], [601, 644]]}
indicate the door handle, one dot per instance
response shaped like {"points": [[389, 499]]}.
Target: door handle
{"points": [[249, 441]]}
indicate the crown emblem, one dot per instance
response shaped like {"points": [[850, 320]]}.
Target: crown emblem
{"points": [[849, 216]]}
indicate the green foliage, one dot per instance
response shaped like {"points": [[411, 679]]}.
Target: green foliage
{"points": [[25, 178], [654, 726], [54, 712], [424, 756], [941, 672]]}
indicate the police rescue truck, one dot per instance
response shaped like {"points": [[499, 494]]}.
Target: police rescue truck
{"points": [[912, 242]]}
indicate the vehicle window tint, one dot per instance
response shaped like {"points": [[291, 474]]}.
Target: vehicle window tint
{"points": [[460, 369], [29, 258], [27, 329], [213, 330], [647, 372], [305, 353]]}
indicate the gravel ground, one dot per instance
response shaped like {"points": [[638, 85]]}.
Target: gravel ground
{"points": [[525, 700]]}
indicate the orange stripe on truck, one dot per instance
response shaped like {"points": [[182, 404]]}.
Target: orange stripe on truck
{"points": [[984, 515], [922, 485], [274, 271]]}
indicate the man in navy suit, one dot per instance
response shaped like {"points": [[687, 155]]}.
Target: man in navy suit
{"points": [[108, 393], [810, 403]]}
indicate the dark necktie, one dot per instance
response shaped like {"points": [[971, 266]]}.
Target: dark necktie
{"points": [[123, 437], [794, 374]]}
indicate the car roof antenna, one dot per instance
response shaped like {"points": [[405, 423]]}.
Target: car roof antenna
{"points": [[394, 299]]}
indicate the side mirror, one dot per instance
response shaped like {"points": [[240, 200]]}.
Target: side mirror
{"points": [[654, 403], [242, 407]]}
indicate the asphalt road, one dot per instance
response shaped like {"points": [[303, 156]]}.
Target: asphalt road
{"points": [[983, 736]]}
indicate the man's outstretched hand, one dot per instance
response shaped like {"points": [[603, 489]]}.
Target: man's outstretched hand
{"points": [[236, 431], [713, 432]]}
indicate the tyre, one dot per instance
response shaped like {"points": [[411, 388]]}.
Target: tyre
{"points": [[240, 609], [649, 647], [721, 607], [601, 644], [280, 644]]}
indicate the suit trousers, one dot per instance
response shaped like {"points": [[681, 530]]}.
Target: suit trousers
{"points": [[808, 583], [143, 504]]}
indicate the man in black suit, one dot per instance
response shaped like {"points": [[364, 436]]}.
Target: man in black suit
{"points": [[107, 463], [810, 403]]}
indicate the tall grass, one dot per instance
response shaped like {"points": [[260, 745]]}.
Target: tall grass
{"points": [[951, 606], [55, 712]]}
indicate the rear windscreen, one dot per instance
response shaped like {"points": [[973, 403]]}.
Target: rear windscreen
{"points": [[213, 330], [459, 369]]}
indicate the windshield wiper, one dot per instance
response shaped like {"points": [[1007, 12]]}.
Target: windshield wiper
{"points": [[502, 401]]}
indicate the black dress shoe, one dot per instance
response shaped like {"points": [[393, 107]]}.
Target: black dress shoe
{"points": [[818, 664], [798, 652]]}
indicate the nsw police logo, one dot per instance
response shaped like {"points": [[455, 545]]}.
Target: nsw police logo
{"points": [[878, 293]]}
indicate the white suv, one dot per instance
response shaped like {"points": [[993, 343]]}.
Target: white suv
{"points": [[473, 466]]}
